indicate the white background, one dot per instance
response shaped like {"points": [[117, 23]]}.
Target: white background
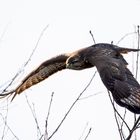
{"points": [[21, 22]]}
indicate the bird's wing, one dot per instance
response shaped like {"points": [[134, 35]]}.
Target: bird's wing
{"points": [[120, 81], [127, 92], [42, 72]]}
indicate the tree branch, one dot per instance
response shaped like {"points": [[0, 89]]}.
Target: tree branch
{"points": [[46, 125], [126, 35], [92, 36], [22, 68], [34, 116], [71, 107]]}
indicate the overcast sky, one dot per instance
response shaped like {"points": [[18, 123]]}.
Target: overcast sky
{"points": [[21, 23]]}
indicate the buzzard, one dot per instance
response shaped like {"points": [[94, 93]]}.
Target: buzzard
{"points": [[108, 60]]}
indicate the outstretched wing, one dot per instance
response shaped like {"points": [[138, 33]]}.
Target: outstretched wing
{"points": [[42, 72], [120, 81], [127, 92]]}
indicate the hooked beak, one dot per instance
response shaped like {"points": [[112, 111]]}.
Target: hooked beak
{"points": [[68, 66]]}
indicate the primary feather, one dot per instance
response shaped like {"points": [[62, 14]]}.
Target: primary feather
{"points": [[117, 78], [42, 72]]}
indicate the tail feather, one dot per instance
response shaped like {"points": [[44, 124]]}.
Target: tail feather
{"points": [[126, 50]]}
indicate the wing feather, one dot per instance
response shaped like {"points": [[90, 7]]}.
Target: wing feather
{"points": [[42, 72], [120, 81]]}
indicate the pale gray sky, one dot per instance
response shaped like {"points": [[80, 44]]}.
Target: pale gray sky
{"points": [[69, 23]]}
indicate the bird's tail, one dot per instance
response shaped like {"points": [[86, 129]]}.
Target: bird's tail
{"points": [[126, 50]]}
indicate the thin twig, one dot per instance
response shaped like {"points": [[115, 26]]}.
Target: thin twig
{"points": [[46, 125], [123, 119], [83, 131], [86, 97], [5, 121], [6, 125], [40, 36], [71, 107], [9, 127], [137, 60], [115, 116], [137, 64], [126, 35], [28, 60], [133, 128], [41, 137], [135, 119], [118, 113], [92, 36], [12, 80], [34, 116], [4, 31], [88, 133]]}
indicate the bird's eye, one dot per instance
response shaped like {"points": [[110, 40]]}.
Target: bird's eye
{"points": [[74, 61]]}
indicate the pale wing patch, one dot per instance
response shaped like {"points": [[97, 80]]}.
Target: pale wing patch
{"points": [[42, 72], [133, 99], [40, 76]]}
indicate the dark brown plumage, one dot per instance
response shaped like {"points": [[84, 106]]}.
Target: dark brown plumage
{"points": [[110, 64], [46, 69], [42, 72]]}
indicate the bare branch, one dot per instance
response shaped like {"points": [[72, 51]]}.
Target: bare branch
{"points": [[6, 125], [126, 35], [4, 31], [89, 130], [41, 137], [86, 97], [88, 133], [123, 119], [34, 116], [115, 116], [5, 121], [133, 128], [137, 64], [83, 131], [137, 61], [118, 113], [46, 125], [92, 36], [40, 36], [26, 63], [72, 107]]}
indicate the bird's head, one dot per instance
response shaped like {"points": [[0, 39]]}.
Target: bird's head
{"points": [[78, 61]]}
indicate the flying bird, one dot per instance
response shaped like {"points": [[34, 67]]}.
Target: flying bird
{"points": [[108, 60]]}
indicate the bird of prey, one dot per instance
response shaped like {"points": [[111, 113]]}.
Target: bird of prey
{"points": [[108, 60]]}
